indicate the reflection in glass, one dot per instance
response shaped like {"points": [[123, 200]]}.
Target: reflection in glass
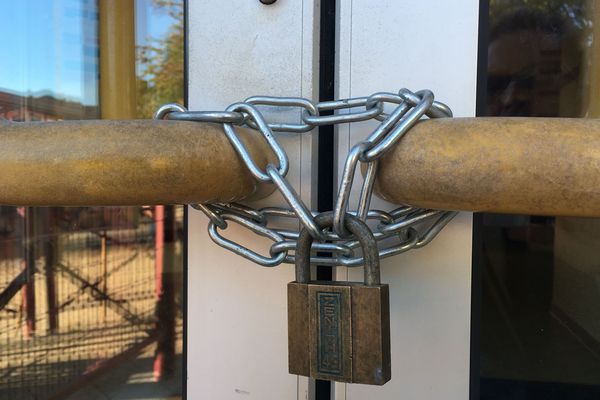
{"points": [[90, 297], [540, 320]]}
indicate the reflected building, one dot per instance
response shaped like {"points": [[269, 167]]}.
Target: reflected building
{"points": [[20, 108]]}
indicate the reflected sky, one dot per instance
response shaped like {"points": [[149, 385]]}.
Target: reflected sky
{"points": [[50, 46]]}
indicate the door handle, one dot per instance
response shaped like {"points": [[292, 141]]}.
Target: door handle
{"points": [[100, 163], [540, 166]]}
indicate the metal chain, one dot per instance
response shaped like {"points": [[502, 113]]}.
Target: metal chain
{"points": [[396, 231]]}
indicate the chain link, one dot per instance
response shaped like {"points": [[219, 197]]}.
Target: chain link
{"points": [[266, 132], [396, 231], [304, 104]]}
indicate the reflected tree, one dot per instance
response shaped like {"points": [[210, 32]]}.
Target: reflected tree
{"points": [[161, 63]]}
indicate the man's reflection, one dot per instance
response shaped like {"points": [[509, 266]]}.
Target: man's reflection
{"points": [[524, 64]]}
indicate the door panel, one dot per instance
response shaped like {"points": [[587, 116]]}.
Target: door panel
{"points": [[418, 45], [540, 324], [237, 335], [237, 311]]}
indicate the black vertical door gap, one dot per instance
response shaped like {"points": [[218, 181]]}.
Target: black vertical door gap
{"points": [[326, 147], [184, 371], [477, 252]]}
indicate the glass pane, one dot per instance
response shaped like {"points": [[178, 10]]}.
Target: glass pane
{"points": [[540, 314], [90, 297]]}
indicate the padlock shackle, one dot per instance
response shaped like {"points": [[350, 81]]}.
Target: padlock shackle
{"points": [[355, 226]]}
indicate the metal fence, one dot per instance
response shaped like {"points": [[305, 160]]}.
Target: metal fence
{"points": [[83, 288]]}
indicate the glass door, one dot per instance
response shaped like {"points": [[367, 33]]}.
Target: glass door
{"points": [[90, 297], [537, 277]]}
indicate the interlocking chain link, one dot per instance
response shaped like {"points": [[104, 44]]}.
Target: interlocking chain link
{"points": [[396, 231]]}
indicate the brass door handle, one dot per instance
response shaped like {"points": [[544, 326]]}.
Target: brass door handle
{"points": [[542, 166], [80, 163]]}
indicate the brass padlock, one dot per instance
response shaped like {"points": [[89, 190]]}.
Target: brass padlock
{"points": [[339, 331]]}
